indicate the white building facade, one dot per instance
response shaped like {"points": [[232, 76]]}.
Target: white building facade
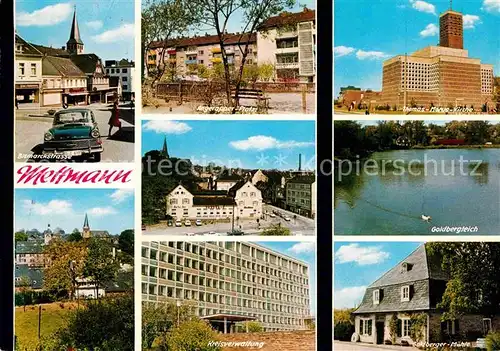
{"points": [[125, 71]]}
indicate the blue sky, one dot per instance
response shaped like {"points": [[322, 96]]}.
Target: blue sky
{"points": [[106, 27], [368, 32], [245, 144], [107, 209], [359, 264], [304, 251]]}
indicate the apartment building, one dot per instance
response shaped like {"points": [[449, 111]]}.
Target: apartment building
{"points": [[124, 70], [301, 195], [288, 41], [28, 72], [237, 279]]}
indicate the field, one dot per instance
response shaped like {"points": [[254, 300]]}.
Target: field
{"points": [[26, 323]]}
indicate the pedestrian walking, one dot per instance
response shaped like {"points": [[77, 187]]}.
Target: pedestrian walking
{"points": [[114, 120], [17, 104]]}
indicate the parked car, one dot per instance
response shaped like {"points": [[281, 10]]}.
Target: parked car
{"points": [[187, 223], [235, 232], [272, 215], [170, 223], [211, 233], [190, 234], [178, 223], [287, 218], [198, 222], [74, 133], [143, 227]]}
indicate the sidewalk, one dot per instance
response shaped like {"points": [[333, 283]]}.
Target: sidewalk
{"points": [[358, 346]]}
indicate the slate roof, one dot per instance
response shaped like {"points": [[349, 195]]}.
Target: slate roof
{"points": [[60, 66], [100, 233], [86, 62], [237, 186], [49, 51], [286, 18], [416, 271], [28, 49], [35, 275], [29, 247]]}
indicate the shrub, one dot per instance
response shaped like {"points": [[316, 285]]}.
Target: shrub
{"points": [[190, 335], [254, 327], [493, 341], [343, 331]]}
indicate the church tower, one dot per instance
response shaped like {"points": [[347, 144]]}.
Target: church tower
{"points": [[47, 235], [86, 228], [164, 149], [451, 29], [74, 44]]}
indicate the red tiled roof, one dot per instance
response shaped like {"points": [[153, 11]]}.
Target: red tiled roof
{"points": [[287, 18], [229, 39]]}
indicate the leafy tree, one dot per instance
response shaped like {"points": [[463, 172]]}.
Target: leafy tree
{"points": [[104, 326], [75, 235], [464, 262], [58, 277], [21, 236], [191, 335], [253, 327], [126, 241], [100, 265], [276, 230], [266, 71], [343, 315]]}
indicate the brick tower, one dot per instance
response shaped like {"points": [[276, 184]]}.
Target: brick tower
{"points": [[451, 29]]}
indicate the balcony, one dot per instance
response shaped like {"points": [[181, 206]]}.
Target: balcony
{"points": [[290, 50], [216, 50], [191, 62], [287, 65], [216, 60], [191, 52], [289, 34]]}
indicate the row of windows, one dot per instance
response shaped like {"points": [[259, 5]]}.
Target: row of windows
{"points": [[123, 70], [21, 69], [298, 186], [229, 300], [65, 83], [241, 248], [225, 272], [298, 193]]}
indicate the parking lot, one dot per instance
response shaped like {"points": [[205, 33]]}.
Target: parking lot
{"points": [[298, 225]]}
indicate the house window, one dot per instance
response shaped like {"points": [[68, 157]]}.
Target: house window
{"points": [[125, 87], [21, 69], [376, 297], [405, 325], [124, 79], [33, 69], [486, 325], [365, 326], [405, 293], [173, 201]]}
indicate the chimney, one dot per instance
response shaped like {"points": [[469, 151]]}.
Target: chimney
{"points": [[300, 162]]}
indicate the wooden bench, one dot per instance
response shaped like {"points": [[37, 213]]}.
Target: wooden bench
{"points": [[254, 94]]}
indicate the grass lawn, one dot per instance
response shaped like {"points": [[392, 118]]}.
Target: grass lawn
{"points": [[53, 317]]}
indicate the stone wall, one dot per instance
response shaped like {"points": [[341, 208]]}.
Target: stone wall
{"points": [[303, 340]]}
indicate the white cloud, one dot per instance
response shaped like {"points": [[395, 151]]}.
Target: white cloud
{"points": [[121, 195], [340, 51], [491, 5], [348, 297], [167, 127], [423, 6], [303, 247], [47, 16], [94, 24], [101, 211], [262, 142], [361, 255], [371, 55], [124, 32], [430, 31], [470, 21], [57, 207]]}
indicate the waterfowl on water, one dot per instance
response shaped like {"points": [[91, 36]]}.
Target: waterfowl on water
{"points": [[426, 218]]}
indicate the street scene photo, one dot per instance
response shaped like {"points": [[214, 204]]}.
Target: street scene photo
{"points": [[224, 296], [74, 269], [416, 296], [228, 178], [416, 177], [228, 57], [74, 92], [416, 57]]}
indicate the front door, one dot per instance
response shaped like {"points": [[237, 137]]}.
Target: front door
{"points": [[380, 332]]}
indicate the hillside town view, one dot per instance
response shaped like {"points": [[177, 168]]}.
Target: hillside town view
{"points": [[70, 104], [190, 196], [244, 57], [74, 288], [454, 76]]}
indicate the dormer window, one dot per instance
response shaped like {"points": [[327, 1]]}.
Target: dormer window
{"points": [[406, 267], [405, 293], [376, 297]]}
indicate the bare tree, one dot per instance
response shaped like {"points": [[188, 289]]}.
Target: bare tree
{"points": [[216, 14]]}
